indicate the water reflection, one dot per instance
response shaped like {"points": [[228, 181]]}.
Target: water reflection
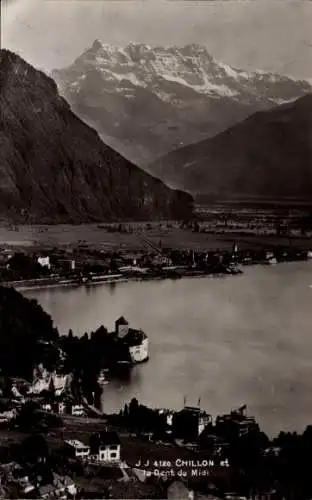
{"points": [[125, 374], [112, 288]]}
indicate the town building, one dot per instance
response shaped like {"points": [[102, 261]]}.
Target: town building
{"points": [[7, 416], [61, 407], [168, 415], [77, 410], [105, 447], [136, 341], [189, 423], [273, 451], [46, 491], [66, 264], [60, 383], [76, 449], [44, 261], [160, 260], [52, 382], [46, 407], [236, 422], [62, 487]]}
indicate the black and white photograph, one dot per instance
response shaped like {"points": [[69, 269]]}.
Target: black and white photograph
{"points": [[156, 249]]}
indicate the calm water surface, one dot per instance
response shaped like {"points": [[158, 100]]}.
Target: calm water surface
{"points": [[243, 339]]}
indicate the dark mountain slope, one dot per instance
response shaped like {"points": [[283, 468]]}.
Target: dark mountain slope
{"points": [[269, 155], [55, 168]]}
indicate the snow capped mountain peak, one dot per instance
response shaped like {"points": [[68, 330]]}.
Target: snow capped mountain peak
{"points": [[166, 95], [97, 44], [139, 46], [190, 66], [163, 69]]}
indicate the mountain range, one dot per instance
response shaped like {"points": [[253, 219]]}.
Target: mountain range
{"points": [[55, 168], [147, 101], [267, 156]]}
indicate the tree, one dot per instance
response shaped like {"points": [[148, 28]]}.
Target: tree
{"points": [[133, 411], [24, 265], [5, 386], [85, 337], [23, 325], [126, 411], [35, 449], [28, 417]]}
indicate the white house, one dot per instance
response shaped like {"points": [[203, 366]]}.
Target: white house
{"points": [[77, 410], [77, 449], [44, 262], [46, 407], [105, 446], [168, 415]]}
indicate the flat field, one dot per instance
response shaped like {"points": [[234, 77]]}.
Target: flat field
{"points": [[144, 237]]}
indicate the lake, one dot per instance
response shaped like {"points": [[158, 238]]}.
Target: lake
{"points": [[229, 341]]}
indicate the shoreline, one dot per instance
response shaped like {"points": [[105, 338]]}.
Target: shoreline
{"points": [[18, 286], [24, 285]]}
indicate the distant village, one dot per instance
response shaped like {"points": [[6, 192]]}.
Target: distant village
{"points": [[158, 250], [84, 266]]}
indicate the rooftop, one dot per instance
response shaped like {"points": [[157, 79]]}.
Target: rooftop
{"points": [[134, 337], [67, 481], [75, 443], [46, 489], [121, 321], [192, 408], [108, 437]]}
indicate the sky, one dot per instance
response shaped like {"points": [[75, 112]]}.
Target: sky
{"points": [[272, 35]]}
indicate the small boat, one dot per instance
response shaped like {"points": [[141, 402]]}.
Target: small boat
{"points": [[271, 261]]}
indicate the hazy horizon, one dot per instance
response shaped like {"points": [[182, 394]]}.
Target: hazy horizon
{"points": [[269, 35]]}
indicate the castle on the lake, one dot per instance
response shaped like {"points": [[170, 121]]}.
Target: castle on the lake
{"points": [[135, 340]]}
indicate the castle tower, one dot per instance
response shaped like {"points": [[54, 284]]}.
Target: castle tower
{"points": [[121, 327]]}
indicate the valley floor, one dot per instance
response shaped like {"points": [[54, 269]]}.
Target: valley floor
{"points": [[143, 237]]}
